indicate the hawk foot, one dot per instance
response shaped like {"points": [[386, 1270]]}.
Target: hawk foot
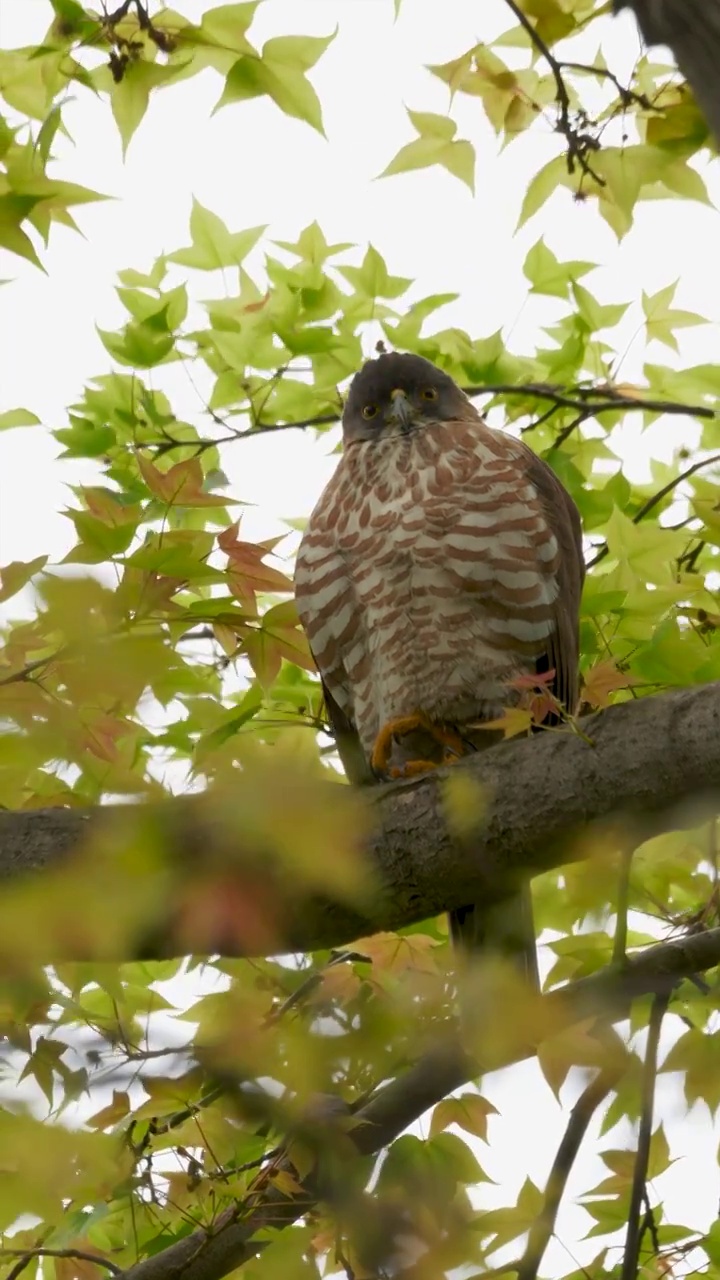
{"points": [[402, 725], [413, 768]]}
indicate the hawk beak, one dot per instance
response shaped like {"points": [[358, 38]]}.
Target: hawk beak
{"points": [[401, 410]]}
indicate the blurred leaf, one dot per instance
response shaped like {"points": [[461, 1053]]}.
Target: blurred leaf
{"points": [[18, 418], [469, 1112]]}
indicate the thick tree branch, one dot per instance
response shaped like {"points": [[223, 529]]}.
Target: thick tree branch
{"points": [[212, 1254], [691, 28], [637, 769]]}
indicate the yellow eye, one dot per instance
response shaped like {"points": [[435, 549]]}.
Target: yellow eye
{"points": [[429, 393], [370, 411]]}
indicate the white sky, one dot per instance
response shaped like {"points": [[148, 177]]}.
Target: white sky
{"points": [[251, 165]]}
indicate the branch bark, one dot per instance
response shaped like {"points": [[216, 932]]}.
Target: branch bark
{"points": [[691, 28], [639, 768]]}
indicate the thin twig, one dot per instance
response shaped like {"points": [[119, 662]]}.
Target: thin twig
{"points": [[619, 955], [627, 96], [606, 400], [653, 501], [649, 1224], [28, 1254], [579, 142], [567, 431], [296, 998], [591, 401], [632, 1240], [544, 1225]]}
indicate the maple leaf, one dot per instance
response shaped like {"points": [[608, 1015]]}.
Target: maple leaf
{"points": [[602, 680], [246, 571], [513, 721], [398, 953], [533, 680], [542, 706], [181, 486]]}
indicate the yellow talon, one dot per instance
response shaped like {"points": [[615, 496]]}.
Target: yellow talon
{"points": [[402, 725], [412, 768], [382, 750]]}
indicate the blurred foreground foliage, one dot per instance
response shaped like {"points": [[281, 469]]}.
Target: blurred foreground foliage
{"points": [[163, 653]]}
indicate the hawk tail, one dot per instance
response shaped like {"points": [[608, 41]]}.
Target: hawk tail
{"points": [[504, 928]]}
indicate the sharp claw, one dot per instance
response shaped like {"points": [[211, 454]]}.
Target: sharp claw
{"points": [[402, 725], [412, 768], [382, 750]]}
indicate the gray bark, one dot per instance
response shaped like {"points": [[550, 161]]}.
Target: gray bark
{"points": [[691, 29], [638, 768]]}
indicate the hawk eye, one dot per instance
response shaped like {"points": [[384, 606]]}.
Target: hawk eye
{"points": [[370, 411], [429, 393]]}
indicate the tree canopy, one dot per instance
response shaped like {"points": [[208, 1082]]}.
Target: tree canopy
{"points": [[227, 994]]}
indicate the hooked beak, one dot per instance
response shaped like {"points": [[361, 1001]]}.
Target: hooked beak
{"points": [[401, 410]]}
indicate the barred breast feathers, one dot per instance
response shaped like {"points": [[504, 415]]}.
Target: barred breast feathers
{"points": [[427, 567]]}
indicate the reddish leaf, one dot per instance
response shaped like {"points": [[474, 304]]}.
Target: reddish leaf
{"points": [[226, 911], [181, 486], [532, 680], [602, 680], [104, 505]]}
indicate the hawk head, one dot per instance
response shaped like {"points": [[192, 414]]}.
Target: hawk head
{"points": [[397, 394]]}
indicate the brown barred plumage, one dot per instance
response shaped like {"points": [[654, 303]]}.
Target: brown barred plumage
{"points": [[442, 560]]}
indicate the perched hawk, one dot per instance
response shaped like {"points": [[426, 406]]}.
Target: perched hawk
{"points": [[442, 560]]}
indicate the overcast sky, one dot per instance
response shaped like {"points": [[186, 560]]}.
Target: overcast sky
{"points": [[251, 164]]}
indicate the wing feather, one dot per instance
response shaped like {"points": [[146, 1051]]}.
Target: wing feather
{"points": [[347, 740], [563, 519]]}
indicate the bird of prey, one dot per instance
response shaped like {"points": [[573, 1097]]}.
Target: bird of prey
{"points": [[691, 29], [442, 561]]}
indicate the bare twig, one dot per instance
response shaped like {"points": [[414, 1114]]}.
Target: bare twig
{"points": [[649, 1224], [632, 1239], [650, 504], [579, 142], [544, 1225], [627, 96], [27, 1255], [589, 401], [567, 431]]}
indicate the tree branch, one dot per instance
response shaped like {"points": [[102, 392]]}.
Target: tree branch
{"points": [[691, 28], [631, 1255], [589, 401], [544, 1225], [641, 767], [79, 1254]]}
